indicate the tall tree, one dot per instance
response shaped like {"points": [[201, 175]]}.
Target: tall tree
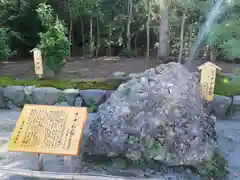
{"points": [[130, 7], [164, 30], [148, 9]]}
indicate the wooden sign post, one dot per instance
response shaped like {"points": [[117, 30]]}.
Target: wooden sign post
{"points": [[38, 62], [208, 77], [45, 129]]}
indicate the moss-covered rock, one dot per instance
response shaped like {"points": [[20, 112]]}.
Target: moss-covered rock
{"points": [[215, 168]]}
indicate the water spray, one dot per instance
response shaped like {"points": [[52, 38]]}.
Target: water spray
{"points": [[218, 9]]}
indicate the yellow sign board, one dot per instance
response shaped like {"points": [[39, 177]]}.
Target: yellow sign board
{"points": [[49, 130], [38, 62], [208, 77]]}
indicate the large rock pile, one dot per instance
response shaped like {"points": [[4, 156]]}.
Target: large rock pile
{"points": [[158, 115]]}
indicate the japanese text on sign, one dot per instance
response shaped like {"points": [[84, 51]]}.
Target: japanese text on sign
{"points": [[38, 61], [49, 129]]}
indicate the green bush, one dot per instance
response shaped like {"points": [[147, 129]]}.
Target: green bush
{"points": [[54, 44], [5, 50]]}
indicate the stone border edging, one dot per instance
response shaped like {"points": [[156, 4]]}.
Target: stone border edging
{"points": [[224, 107], [12, 97]]}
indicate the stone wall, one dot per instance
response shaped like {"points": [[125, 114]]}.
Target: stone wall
{"points": [[13, 97], [226, 107]]}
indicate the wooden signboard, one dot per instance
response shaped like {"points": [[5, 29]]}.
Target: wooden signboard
{"points": [[49, 130], [38, 62], [208, 77]]}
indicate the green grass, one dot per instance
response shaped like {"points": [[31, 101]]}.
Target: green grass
{"points": [[9, 81], [224, 86]]}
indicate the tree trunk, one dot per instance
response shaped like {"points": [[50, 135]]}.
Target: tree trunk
{"points": [[109, 39], [135, 42], [98, 38], [164, 36], [182, 37], [83, 39], [70, 33], [148, 8], [212, 53], [91, 37], [129, 24]]}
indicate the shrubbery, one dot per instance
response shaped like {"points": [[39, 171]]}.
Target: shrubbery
{"points": [[53, 42], [5, 50]]}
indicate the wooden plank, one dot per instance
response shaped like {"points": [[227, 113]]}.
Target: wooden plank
{"points": [[38, 62], [208, 77], [49, 130], [40, 162]]}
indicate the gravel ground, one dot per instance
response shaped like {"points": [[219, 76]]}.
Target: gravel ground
{"points": [[229, 145]]}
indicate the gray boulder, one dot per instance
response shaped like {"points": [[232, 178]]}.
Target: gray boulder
{"points": [[71, 95], [15, 94], [28, 90], [157, 115], [220, 105], [47, 95], [93, 97], [119, 74]]}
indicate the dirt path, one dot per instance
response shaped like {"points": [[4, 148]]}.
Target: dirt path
{"points": [[92, 69]]}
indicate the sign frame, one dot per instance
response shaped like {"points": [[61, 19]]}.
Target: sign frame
{"points": [[208, 78], [80, 119]]}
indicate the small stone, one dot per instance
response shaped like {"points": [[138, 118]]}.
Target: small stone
{"points": [[16, 94], [78, 102], [93, 97], [220, 105], [47, 95], [133, 75], [28, 93], [71, 95], [28, 90], [119, 74]]}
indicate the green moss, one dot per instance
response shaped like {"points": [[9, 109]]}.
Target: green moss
{"points": [[215, 168], [225, 86], [9, 81]]}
